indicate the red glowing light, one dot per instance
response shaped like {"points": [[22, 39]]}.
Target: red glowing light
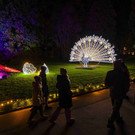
{"points": [[8, 69]]}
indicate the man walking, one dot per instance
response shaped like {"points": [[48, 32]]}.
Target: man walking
{"points": [[117, 81]]}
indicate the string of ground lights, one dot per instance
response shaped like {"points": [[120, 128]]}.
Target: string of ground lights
{"points": [[14, 104]]}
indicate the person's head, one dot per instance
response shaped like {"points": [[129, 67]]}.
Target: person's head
{"points": [[63, 71], [43, 68], [117, 64], [37, 79]]}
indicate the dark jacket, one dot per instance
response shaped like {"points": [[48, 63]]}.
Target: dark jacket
{"points": [[65, 95], [117, 81], [44, 84]]}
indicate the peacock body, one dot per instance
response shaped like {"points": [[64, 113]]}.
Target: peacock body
{"points": [[94, 49]]}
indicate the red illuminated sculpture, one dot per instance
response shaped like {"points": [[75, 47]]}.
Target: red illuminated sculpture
{"points": [[4, 71]]}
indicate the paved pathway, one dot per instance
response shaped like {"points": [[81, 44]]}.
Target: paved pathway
{"points": [[91, 112]]}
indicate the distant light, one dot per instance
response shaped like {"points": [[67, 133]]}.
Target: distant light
{"points": [[124, 48], [133, 53], [11, 101], [29, 68], [8, 102], [92, 48]]}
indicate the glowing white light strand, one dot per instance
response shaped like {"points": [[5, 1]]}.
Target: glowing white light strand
{"points": [[92, 48], [47, 69], [29, 68]]}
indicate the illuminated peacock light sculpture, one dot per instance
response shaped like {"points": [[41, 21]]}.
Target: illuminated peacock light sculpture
{"points": [[94, 49]]}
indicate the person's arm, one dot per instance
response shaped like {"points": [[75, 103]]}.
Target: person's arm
{"points": [[68, 83], [57, 84], [107, 80]]}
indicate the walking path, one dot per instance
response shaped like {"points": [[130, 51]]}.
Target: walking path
{"points": [[90, 111]]}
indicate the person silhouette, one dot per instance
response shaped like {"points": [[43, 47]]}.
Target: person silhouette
{"points": [[117, 81], [45, 86], [37, 100], [65, 97], [125, 70]]}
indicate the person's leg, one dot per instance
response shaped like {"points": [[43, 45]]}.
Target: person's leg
{"points": [[33, 112], [115, 113], [46, 104], [116, 109], [68, 116], [118, 117], [46, 96], [41, 112], [46, 101], [55, 114], [112, 117]]}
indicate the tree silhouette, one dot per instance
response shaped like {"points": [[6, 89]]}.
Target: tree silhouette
{"points": [[67, 28], [15, 35]]}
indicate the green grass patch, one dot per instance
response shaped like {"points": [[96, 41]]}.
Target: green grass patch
{"points": [[19, 85]]}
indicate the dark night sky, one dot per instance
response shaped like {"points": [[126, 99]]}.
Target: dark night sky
{"points": [[121, 7], [51, 8], [62, 23]]}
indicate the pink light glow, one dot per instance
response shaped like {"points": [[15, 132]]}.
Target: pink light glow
{"points": [[2, 74]]}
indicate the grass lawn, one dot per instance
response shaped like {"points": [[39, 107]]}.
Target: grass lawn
{"points": [[19, 85]]}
